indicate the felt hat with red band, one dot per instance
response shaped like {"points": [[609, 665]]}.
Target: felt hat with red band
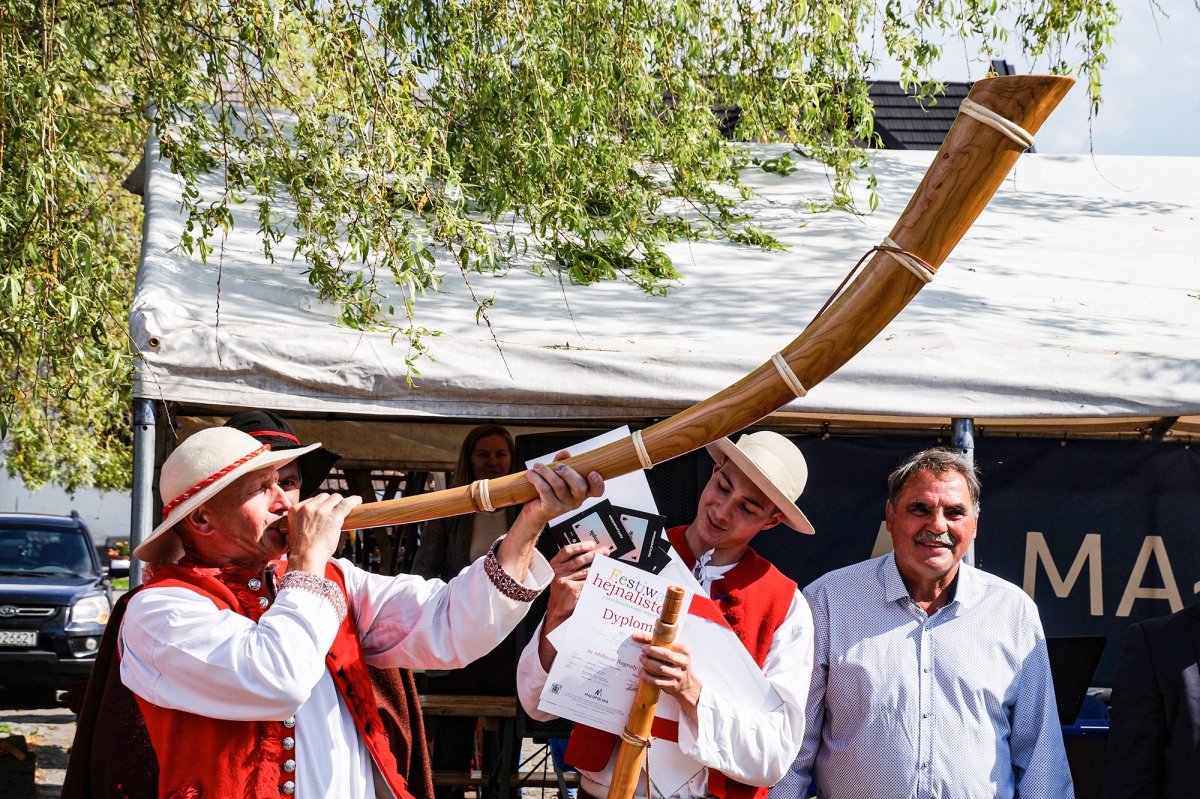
{"points": [[198, 470]]}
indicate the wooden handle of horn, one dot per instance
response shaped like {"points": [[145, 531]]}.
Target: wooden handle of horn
{"points": [[972, 163], [610, 461], [641, 716]]}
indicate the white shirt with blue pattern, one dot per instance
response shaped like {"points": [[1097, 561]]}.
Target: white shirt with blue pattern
{"points": [[903, 704]]}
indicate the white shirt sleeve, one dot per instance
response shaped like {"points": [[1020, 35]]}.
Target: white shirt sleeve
{"points": [[411, 623], [531, 678], [753, 746], [179, 651]]}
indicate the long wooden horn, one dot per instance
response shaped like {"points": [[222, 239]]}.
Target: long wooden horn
{"points": [[995, 125]]}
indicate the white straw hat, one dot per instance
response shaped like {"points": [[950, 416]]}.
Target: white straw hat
{"points": [[197, 471], [775, 465]]}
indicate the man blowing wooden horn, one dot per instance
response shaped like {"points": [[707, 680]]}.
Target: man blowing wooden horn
{"points": [[249, 675], [753, 486]]}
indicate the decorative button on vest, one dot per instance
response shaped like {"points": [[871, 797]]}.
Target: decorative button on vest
{"points": [[263, 601], [289, 743], [290, 722], [254, 584], [289, 766], [289, 787]]}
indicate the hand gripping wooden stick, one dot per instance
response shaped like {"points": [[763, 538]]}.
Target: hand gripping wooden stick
{"points": [[979, 151], [636, 738]]}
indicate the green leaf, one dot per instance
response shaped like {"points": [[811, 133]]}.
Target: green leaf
{"points": [[408, 137]]}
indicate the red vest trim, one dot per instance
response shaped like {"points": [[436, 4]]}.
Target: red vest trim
{"points": [[216, 758], [752, 599], [705, 608], [753, 596]]}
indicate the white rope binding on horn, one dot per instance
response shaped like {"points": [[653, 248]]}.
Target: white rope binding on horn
{"points": [[911, 264], [639, 446], [485, 498], [789, 377], [993, 120]]}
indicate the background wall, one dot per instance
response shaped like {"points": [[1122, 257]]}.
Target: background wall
{"points": [[106, 515]]}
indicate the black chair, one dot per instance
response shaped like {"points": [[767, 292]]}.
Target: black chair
{"points": [[1073, 661]]}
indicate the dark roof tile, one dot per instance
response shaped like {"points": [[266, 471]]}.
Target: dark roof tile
{"points": [[905, 123]]}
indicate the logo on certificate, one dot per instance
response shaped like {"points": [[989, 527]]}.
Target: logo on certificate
{"points": [[556, 687], [596, 696]]}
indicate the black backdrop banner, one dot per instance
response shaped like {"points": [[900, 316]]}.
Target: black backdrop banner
{"points": [[1102, 533]]}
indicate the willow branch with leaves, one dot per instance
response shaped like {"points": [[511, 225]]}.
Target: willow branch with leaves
{"points": [[399, 130]]}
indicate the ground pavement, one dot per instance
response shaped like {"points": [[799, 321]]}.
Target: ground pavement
{"points": [[49, 732]]}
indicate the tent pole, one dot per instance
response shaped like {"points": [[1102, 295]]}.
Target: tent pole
{"points": [[963, 431], [143, 483]]}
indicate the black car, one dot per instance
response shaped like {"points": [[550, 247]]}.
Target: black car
{"points": [[55, 599]]}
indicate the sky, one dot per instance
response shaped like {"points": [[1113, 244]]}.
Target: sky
{"points": [[1151, 86]]}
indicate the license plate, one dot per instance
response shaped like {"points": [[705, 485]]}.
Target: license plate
{"points": [[18, 637]]}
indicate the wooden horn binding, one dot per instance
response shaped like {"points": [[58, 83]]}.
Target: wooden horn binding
{"points": [[970, 166]]}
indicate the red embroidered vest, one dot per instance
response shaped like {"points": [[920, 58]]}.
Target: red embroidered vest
{"points": [[206, 758], [754, 597]]}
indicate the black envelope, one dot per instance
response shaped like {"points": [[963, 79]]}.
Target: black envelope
{"points": [[662, 555], [597, 523], [645, 529]]}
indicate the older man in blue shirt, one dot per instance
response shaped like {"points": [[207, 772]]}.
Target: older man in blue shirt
{"points": [[930, 677]]}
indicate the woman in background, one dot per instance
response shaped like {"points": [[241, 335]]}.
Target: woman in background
{"points": [[450, 545], [447, 547]]}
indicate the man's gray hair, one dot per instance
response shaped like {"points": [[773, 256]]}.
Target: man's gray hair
{"points": [[936, 461]]}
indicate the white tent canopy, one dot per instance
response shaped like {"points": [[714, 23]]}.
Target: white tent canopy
{"points": [[1073, 297]]}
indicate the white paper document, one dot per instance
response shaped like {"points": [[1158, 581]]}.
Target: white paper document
{"points": [[594, 675], [675, 573], [628, 491]]}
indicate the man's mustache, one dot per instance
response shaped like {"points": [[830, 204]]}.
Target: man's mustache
{"points": [[927, 537]]}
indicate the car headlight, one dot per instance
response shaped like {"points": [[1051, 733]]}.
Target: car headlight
{"points": [[91, 610]]}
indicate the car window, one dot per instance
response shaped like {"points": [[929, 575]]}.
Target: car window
{"points": [[47, 552]]}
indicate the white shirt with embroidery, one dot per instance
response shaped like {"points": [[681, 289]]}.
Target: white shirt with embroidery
{"points": [[179, 651], [748, 745]]}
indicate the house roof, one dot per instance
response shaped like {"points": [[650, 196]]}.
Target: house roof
{"points": [[904, 122]]}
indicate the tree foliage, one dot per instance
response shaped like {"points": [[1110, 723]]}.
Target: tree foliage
{"points": [[401, 128]]}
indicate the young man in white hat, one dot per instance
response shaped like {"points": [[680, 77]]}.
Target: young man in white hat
{"points": [[253, 683], [754, 486]]}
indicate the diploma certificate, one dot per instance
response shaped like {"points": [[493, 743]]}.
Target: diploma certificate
{"points": [[594, 676]]}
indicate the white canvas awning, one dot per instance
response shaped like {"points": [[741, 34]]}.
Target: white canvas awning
{"points": [[1072, 298]]}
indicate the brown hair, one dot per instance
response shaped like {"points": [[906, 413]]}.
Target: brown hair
{"points": [[462, 472], [936, 461]]}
